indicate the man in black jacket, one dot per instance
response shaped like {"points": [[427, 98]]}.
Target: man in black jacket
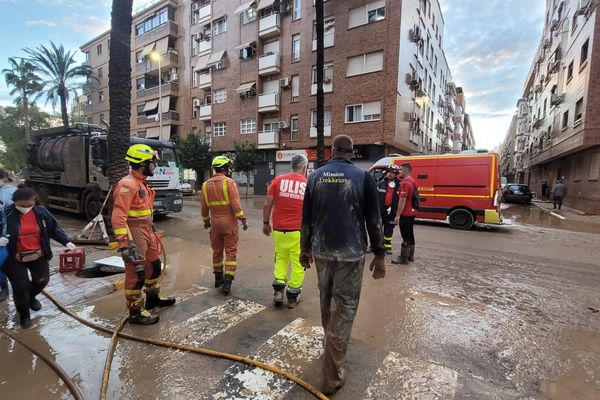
{"points": [[340, 200], [388, 189]]}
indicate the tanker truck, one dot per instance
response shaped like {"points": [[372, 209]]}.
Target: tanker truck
{"points": [[68, 169]]}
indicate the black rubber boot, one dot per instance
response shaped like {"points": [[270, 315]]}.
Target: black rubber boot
{"points": [[218, 279], [35, 304], [227, 279], [292, 299], [25, 322], [404, 254], [4, 291], [411, 256], [153, 301], [142, 317]]}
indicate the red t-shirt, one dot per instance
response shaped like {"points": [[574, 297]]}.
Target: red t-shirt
{"points": [[389, 194], [288, 192], [407, 187], [29, 233]]}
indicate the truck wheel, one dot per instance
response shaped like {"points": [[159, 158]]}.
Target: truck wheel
{"points": [[461, 219], [92, 205], [42, 194]]}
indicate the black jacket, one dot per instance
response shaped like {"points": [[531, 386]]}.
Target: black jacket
{"points": [[49, 229], [382, 190], [339, 202]]}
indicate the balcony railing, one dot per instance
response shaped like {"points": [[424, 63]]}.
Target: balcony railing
{"points": [[167, 89], [170, 28], [269, 64], [269, 26], [205, 81], [150, 67], [205, 112], [268, 102], [268, 140], [167, 116]]}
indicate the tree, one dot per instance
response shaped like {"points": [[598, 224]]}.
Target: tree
{"points": [[26, 85], [61, 76], [245, 160], [194, 152], [319, 28], [119, 87]]}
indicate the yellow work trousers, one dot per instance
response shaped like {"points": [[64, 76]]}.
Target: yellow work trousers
{"points": [[287, 251]]}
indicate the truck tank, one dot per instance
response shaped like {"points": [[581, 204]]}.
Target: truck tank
{"points": [[55, 153]]}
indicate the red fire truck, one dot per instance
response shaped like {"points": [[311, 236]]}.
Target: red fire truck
{"points": [[463, 188]]}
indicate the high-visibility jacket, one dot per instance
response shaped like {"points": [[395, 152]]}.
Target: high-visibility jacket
{"points": [[220, 199], [133, 202]]}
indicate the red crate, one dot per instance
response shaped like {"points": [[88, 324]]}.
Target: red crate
{"points": [[72, 260]]}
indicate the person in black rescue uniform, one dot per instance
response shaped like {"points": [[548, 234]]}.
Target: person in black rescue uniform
{"points": [[388, 189]]}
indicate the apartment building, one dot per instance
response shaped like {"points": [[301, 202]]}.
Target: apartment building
{"points": [[244, 71], [558, 118], [507, 153]]}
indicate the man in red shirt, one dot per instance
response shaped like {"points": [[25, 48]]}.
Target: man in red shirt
{"points": [[405, 215], [285, 197]]}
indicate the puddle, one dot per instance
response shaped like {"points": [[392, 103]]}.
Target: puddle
{"points": [[531, 215], [446, 301], [571, 388]]}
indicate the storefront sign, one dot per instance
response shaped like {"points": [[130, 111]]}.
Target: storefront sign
{"points": [[287, 155]]}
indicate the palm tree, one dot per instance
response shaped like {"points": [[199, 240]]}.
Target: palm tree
{"points": [[60, 74], [26, 85], [119, 87]]}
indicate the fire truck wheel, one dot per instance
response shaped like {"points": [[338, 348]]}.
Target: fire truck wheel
{"points": [[461, 219], [91, 205]]}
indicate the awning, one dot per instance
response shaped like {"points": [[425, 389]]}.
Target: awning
{"points": [[147, 50], [203, 62], [151, 105], [245, 87], [264, 4], [244, 7], [164, 104], [216, 57], [153, 132], [243, 46], [162, 46]]}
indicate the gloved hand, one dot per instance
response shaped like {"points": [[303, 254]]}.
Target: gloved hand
{"points": [[244, 222], [70, 246], [3, 241], [378, 267], [206, 224], [306, 259], [130, 254]]}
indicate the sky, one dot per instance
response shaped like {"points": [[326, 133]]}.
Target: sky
{"points": [[489, 46]]}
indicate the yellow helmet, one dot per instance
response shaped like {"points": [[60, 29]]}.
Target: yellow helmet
{"points": [[138, 153], [220, 161]]}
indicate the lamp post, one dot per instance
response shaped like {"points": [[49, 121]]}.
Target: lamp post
{"points": [[156, 57]]}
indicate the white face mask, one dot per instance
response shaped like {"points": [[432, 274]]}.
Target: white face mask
{"points": [[24, 210]]}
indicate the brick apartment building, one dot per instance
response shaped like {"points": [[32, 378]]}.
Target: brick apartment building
{"points": [[241, 70], [558, 117]]}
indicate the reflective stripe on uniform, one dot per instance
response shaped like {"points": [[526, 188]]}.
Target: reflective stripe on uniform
{"points": [[239, 214], [230, 262], [217, 202], [206, 218], [133, 292], [120, 231], [139, 213], [225, 191], [150, 282], [387, 238]]}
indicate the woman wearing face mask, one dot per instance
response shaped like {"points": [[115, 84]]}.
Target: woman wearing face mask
{"points": [[6, 193], [29, 229]]}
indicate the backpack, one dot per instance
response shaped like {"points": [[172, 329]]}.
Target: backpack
{"points": [[415, 197]]}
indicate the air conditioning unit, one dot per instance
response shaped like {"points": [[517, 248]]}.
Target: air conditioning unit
{"points": [[284, 83], [196, 102], [283, 124], [195, 6], [556, 99], [416, 35]]}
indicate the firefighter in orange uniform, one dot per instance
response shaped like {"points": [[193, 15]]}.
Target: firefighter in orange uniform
{"points": [[138, 244], [220, 198]]}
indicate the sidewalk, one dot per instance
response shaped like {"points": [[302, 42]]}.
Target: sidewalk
{"points": [[569, 218]]}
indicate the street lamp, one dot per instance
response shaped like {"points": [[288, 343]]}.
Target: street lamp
{"points": [[155, 56]]}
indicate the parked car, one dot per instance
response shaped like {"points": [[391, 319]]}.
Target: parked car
{"points": [[516, 193], [187, 188]]}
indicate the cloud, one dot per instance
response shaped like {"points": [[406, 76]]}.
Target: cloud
{"points": [[90, 25], [43, 22]]}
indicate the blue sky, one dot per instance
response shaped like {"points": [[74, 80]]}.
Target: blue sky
{"points": [[489, 45]]}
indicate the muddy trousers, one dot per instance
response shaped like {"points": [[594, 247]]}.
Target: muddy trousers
{"points": [[224, 238], [25, 289], [339, 286], [407, 225], [147, 275], [287, 251], [388, 230]]}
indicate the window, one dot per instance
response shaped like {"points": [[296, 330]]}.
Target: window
{"points": [[545, 104], [570, 71], [99, 49], [327, 74], [159, 18], [326, 119], [219, 26], [584, 54], [140, 84], [140, 109], [578, 111], [220, 129], [100, 96], [367, 14], [574, 23], [297, 11], [294, 134], [270, 127], [249, 52], [219, 96], [328, 33], [247, 126], [594, 173], [249, 15], [296, 48], [100, 73], [87, 56], [295, 88], [90, 120], [363, 112], [365, 63], [101, 118]]}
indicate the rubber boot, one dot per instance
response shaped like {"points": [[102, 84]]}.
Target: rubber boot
{"points": [[278, 297], [3, 291], [227, 279], [218, 278], [25, 321], [411, 257], [404, 254], [292, 299], [142, 317], [35, 304], [153, 301]]}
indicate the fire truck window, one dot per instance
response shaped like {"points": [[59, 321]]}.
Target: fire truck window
{"points": [[422, 176]]}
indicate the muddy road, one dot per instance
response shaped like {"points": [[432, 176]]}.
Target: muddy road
{"points": [[494, 313]]}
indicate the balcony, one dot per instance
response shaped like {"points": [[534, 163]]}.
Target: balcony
{"points": [[153, 120], [205, 113], [268, 140], [269, 26], [268, 102], [327, 87], [151, 67], [204, 13], [205, 81], [328, 41], [269, 64], [204, 47], [326, 131], [167, 89], [169, 28], [450, 104]]}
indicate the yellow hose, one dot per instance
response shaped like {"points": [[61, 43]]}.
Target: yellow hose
{"points": [[109, 358], [213, 353]]}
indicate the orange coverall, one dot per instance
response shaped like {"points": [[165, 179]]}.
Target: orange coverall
{"points": [[133, 203], [221, 199]]}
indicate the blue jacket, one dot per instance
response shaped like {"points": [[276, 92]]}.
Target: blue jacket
{"points": [[339, 202], [49, 229]]}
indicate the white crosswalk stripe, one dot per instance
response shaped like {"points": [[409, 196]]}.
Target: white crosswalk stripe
{"points": [[294, 348], [412, 379]]}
